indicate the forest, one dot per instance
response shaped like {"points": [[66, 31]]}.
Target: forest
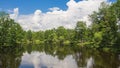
{"points": [[103, 33]]}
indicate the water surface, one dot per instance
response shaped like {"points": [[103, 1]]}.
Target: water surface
{"points": [[56, 57]]}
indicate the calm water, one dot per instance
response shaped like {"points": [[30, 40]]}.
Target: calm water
{"points": [[56, 57]]}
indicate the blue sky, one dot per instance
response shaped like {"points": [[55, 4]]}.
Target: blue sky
{"points": [[29, 6]]}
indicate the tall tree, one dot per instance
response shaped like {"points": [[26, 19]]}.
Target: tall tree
{"points": [[80, 31], [105, 24], [10, 31]]}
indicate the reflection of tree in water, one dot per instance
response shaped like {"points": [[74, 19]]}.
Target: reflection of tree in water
{"points": [[60, 51], [82, 56], [106, 60], [28, 48], [10, 56], [100, 59]]}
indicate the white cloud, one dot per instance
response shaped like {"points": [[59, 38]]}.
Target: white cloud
{"points": [[57, 17], [54, 9], [15, 14]]}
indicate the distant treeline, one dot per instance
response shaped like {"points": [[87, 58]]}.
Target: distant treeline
{"points": [[103, 32]]}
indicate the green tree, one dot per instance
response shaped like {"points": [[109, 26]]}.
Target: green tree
{"points": [[10, 31], [29, 37], [105, 22], [80, 31]]}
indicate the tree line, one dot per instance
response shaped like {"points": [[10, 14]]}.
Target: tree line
{"points": [[103, 32]]}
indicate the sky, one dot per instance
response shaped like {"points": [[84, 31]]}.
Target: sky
{"points": [[29, 6], [47, 14]]}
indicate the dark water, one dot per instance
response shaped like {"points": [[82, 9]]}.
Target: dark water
{"points": [[56, 57]]}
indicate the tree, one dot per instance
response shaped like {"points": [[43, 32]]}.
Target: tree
{"points": [[29, 36], [61, 31], [80, 31], [10, 31], [105, 23]]}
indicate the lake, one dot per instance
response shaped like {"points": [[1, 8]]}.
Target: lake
{"points": [[40, 56]]}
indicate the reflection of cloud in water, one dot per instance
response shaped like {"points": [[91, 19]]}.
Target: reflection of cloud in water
{"points": [[41, 60], [90, 62], [119, 57]]}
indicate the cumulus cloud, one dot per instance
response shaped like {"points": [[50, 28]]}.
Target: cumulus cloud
{"points": [[15, 13], [56, 17]]}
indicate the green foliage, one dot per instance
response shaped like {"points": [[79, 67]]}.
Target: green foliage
{"points": [[67, 42], [80, 31], [11, 32], [104, 25], [103, 32], [98, 37]]}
